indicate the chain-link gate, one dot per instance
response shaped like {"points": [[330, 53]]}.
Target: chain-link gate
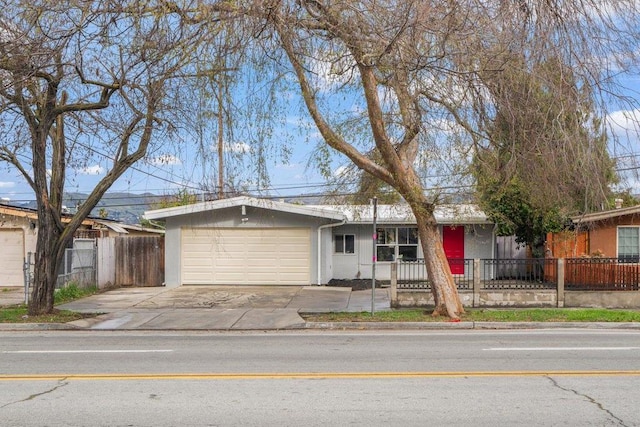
{"points": [[78, 267]]}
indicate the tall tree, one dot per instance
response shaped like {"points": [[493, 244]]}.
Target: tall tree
{"points": [[409, 78], [79, 80], [531, 175]]}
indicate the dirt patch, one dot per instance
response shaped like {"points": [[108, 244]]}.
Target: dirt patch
{"points": [[357, 284]]}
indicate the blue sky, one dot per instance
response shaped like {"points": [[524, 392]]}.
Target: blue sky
{"points": [[168, 169]]}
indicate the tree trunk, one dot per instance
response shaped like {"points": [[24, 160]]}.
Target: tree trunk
{"points": [[443, 287], [50, 247]]}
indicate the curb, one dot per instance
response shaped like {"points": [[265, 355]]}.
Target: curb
{"points": [[469, 325], [353, 326], [388, 325], [38, 327]]}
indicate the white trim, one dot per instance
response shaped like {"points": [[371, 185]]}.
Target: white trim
{"points": [[344, 244], [320, 228], [463, 214], [618, 227], [316, 211]]}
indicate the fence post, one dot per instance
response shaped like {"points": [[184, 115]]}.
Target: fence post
{"points": [[560, 295], [394, 284], [26, 269], [476, 283], [95, 264]]}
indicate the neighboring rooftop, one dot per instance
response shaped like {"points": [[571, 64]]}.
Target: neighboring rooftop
{"points": [[604, 215]]}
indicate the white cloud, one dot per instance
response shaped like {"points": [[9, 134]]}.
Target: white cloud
{"points": [[91, 170], [237, 147], [332, 69], [7, 184], [232, 147], [164, 160], [625, 124], [341, 171]]}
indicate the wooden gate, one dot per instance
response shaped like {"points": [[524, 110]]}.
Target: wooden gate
{"points": [[139, 261]]}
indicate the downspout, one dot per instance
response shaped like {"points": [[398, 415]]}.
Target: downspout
{"points": [[320, 228]]}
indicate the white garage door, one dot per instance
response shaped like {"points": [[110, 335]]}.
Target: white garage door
{"points": [[12, 244], [222, 256]]}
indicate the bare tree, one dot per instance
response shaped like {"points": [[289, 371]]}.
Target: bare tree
{"points": [[82, 82], [409, 79]]}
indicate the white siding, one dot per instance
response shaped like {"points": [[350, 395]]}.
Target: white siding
{"points": [[12, 259]]}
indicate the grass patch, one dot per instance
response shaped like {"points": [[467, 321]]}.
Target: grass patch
{"points": [[20, 314], [72, 292], [486, 315]]}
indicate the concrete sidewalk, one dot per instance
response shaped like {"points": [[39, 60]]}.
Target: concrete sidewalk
{"points": [[218, 307], [247, 308]]}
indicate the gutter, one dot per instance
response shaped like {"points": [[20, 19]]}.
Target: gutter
{"points": [[320, 228]]}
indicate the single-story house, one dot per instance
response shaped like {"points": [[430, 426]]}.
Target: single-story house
{"points": [[251, 241], [613, 233], [19, 233]]}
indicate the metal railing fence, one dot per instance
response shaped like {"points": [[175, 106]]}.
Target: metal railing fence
{"points": [[413, 274], [580, 274], [527, 273]]}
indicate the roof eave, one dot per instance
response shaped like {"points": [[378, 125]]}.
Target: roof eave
{"points": [[601, 216], [242, 201]]}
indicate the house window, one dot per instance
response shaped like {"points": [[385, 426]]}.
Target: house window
{"points": [[345, 243], [629, 244], [397, 243]]}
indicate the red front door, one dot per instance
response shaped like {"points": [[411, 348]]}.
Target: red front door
{"points": [[453, 242]]}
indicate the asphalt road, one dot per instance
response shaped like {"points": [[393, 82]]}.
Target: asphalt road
{"points": [[502, 378]]}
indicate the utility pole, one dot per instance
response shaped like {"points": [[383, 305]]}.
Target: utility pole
{"points": [[219, 96], [374, 202]]}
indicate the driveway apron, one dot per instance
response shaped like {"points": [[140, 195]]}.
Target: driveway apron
{"points": [[218, 307]]}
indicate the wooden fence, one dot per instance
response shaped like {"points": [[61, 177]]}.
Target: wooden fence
{"points": [[597, 274], [139, 261]]}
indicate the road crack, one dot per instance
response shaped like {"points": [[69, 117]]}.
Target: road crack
{"points": [[589, 398], [61, 383]]}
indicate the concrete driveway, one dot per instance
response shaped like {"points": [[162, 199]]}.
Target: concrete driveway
{"points": [[11, 295], [219, 307]]}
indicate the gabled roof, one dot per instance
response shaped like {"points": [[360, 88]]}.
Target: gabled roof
{"points": [[314, 211], [357, 214], [604, 215]]}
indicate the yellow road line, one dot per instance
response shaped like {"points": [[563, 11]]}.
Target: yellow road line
{"points": [[308, 375]]}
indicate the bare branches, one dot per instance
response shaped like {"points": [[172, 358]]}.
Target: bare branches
{"points": [[93, 75], [331, 137]]}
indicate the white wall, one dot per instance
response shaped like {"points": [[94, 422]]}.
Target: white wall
{"points": [[479, 243], [29, 236], [106, 261]]}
